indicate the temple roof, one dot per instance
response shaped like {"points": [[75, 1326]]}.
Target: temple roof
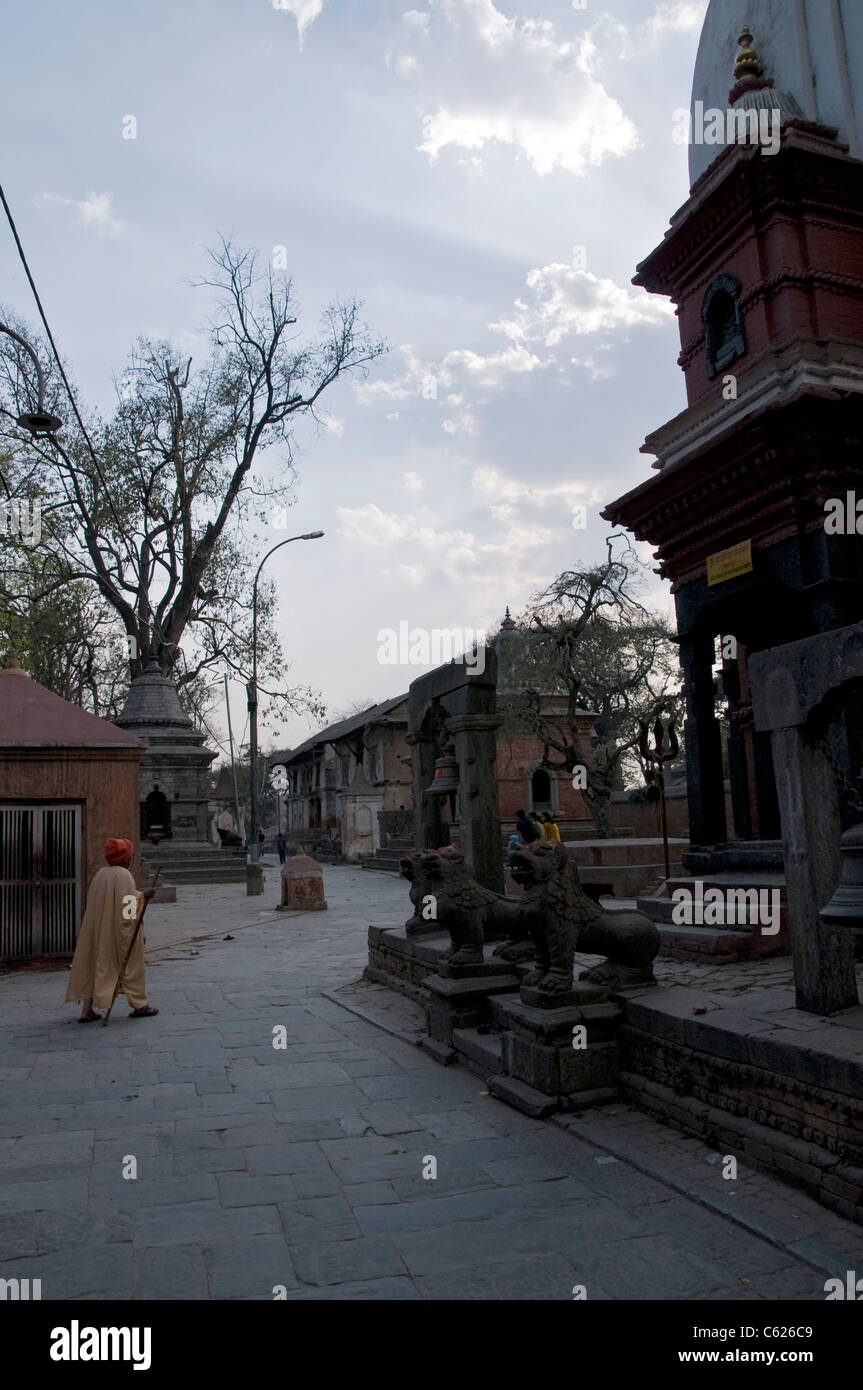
{"points": [[33, 717], [810, 51]]}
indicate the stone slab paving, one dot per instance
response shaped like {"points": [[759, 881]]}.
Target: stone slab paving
{"points": [[305, 1170]]}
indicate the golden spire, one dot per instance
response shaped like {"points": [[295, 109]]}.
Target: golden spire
{"points": [[747, 59]]}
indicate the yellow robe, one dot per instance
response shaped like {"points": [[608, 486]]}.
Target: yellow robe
{"points": [[552, 832], [104, 940]]}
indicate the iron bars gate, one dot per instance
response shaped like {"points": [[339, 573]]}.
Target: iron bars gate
{"points": [[40, 880]]}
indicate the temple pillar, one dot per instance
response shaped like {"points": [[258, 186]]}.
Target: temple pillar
{"points": [[704, 771], [475, 737]]}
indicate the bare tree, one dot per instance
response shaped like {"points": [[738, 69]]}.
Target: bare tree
{"points": [[159, 516], [590, 642]]}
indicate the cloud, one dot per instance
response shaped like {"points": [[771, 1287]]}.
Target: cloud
{"points": [[569, 300], [332, 424], [418, 19], [452, 552], [413, 482], [94, 211], [305, 12], [675, 17], [512, 82]]}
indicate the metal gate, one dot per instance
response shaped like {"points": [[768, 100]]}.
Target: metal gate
{"points": [[40, 880]]}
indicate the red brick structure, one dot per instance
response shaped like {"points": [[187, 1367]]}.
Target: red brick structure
{"points": [[765, 265], [68, 782], [524, 784]]}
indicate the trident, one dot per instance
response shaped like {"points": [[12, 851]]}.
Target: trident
{"points": [[655, 759]]}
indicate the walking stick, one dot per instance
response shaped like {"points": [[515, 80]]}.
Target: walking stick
{"points": [[138, 925]]}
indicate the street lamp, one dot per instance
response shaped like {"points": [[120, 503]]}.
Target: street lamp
{"points": [[40, 421], [254, 880]]}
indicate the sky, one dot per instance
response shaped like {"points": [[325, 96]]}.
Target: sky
{"points": [[484, 177]]}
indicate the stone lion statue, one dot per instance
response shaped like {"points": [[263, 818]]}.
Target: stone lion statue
{"points": [[470, 913], [562, 919]]}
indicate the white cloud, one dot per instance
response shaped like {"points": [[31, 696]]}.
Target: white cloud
{"points": [[569, 300], [513, 82], [418, 19], [675, 17], [333, 425], [305, 12], [413, 482], [451, 551], [94, 211], [409, 574]]}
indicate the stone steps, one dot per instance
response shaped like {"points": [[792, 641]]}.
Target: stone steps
{"points": [[189, 864], [720, 941]]}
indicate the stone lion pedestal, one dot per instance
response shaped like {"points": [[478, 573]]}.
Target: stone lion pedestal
{"points": [[302, 885]]}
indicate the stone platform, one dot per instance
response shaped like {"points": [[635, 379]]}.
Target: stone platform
{"points": [[718, 1051], [624, 867]]}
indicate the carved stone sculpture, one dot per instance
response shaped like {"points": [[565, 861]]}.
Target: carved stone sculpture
{"points": [[470, 913], [562, 919]]}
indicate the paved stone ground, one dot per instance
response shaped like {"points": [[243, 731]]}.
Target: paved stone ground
{"points": [[303, 1167]]}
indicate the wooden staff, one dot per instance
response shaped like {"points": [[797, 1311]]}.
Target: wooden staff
{"points": [[138, 925]]}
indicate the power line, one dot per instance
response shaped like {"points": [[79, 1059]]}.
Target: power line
{"points": [[60, 366]]}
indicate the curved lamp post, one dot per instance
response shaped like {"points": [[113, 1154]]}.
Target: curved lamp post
{"points": [[254, 880], [40, 421]]}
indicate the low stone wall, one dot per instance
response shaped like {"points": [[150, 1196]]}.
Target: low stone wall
{"points": [[784, 1105]]}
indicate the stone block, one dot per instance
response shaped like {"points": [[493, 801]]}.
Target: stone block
{"points": [[303, 885]]}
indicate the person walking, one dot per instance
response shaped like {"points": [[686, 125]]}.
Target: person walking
{"points": [[107, 931], [282, 847]]}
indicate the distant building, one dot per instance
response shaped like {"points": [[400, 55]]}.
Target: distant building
{"points": [[352, 776]]}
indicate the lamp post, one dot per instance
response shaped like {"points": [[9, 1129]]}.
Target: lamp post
{"points": [[40, 421], [254, 876]]}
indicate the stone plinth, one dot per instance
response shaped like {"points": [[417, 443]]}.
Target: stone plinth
{"points": [[456, 1004], [303, 885], [543, 1069]]}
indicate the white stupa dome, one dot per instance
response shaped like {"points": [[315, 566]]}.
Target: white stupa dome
{"points": [[811, 49]]}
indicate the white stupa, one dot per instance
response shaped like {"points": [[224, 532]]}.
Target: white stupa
{"points": [[811, 49]]}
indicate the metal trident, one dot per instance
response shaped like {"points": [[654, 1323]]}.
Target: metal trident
{"points": [[665, 750]]}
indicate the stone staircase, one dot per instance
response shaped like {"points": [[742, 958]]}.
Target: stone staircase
{"points": [[194, 863], [723, 942], [387, 858], [626, 866]]}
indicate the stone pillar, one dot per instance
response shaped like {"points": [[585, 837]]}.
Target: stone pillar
{"points": [[479, 822], [704, 775], [428, 822], [823, 956]]}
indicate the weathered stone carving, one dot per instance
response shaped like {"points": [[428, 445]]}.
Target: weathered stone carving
{"points": [[470, 913], [552, 920], [562, 919]]}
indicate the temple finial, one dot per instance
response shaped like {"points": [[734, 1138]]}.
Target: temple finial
{"points": [[747, 59]]}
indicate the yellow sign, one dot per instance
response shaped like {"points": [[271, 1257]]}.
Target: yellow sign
{"points": [[728, 564]]}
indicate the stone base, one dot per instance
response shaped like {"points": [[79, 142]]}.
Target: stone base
{"points": [[783, 1098], [454, 1004], [581, 993], [538, 1048]]}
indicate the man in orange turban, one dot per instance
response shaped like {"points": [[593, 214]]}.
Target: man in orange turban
{"points": [[113, 907]]}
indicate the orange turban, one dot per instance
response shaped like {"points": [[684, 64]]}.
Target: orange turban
{"points": [[118, 850]]}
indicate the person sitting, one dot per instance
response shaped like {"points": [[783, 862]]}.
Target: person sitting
{"points": [[552, 831], [538, 822], [526, 828]]}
